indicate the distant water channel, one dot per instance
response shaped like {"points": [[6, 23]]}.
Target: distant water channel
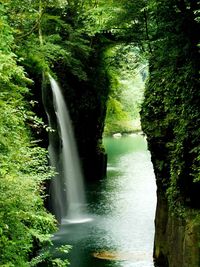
{"points": [[123, 209]]}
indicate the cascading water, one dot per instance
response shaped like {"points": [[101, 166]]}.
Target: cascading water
{"points": [[67, 188]]}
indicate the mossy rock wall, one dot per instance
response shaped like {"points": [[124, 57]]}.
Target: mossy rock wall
{"points": [[176, 239], [170, 118], [86, 100]]}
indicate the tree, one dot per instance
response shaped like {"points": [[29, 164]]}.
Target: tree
{"points": [[125, 65], [25, 224]]}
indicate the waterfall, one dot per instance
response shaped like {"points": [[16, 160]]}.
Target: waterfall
{"points": [[67, 188]]}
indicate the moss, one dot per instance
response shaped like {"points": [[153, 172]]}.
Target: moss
{"points": [[170, 119]]}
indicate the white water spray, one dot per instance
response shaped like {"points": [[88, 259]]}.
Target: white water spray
{"points": [[67, 188]]}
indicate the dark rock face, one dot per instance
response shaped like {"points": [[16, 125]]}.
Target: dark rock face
{"points": [[176, 239], [177, 233], [177, 223], [170, 119], [86, 101]]}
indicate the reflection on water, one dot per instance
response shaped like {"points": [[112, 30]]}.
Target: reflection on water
{"points": [[123, 208]]}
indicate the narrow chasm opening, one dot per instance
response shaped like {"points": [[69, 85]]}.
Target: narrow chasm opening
{"points": [[127, 71], [130, 181], [121, 205]]}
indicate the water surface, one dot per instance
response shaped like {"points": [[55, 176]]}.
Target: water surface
{"points": [[122, 207]]}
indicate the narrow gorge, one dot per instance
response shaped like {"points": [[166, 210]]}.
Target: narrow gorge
{"points": [[128, 69]]}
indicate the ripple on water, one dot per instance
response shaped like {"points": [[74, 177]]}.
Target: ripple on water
{"points": [[122, 207]]}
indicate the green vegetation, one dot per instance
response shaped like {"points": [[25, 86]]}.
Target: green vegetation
{"points": [[171, 118], [23, 219], [98, 50], [25, 225], [127, 71]]}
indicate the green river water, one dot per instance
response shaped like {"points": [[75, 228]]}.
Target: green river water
{"points": [[122, 207]]}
